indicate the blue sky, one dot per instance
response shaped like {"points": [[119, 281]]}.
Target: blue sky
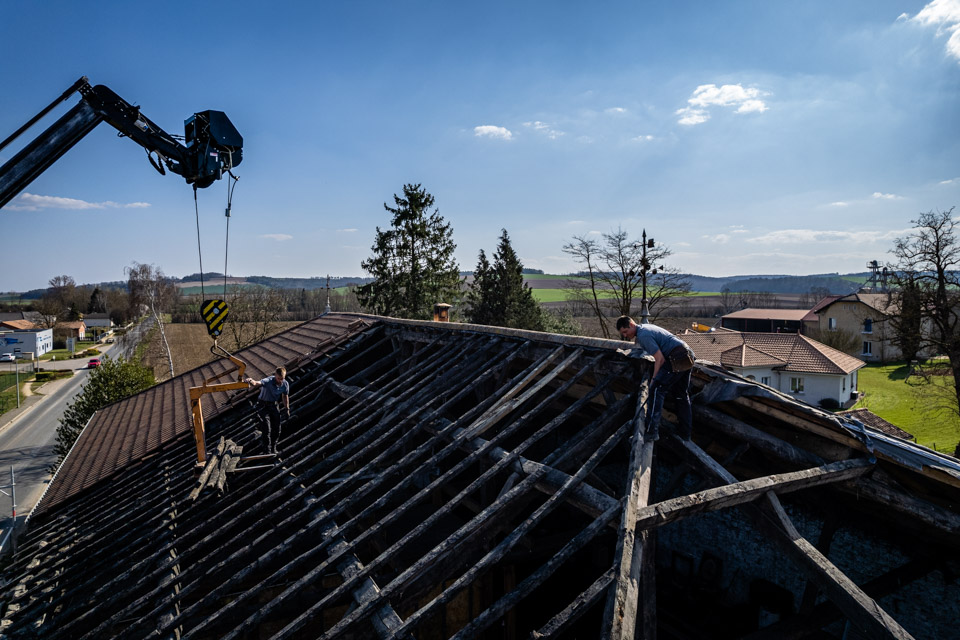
{"points": [[749, 137]]}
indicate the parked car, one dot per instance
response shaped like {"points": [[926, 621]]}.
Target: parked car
{"points": [[7, 357], [110, 340], [93, 363]]}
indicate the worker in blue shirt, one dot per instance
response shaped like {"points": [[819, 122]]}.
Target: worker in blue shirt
{"points": [[272, 389], [672, 365]]}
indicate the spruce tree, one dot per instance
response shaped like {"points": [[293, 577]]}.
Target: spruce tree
{"points": [[412, 263], [499, 296]]}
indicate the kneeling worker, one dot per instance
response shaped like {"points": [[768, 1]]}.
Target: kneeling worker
{"points": [[272, 388], [672, 365]]}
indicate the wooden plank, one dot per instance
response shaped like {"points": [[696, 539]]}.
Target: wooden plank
{"points": [[620, 613]]}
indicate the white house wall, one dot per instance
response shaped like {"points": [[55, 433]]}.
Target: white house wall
{"points": [[37, 342], [816, 386]]}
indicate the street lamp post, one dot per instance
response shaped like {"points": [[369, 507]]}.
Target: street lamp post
{"points": [[644, 268]]}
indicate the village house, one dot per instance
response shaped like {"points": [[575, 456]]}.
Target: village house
{"points": [[76, 329], [866, 316], [789, 362]]}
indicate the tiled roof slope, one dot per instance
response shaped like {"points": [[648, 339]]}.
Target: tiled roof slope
{"points": [[132, 428], [871, 419], [22, 325], [878, 301], [788, 351]]}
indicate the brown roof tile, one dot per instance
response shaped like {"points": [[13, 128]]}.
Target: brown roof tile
{"points": [[20, 325], [769, 314], [788, 351]]}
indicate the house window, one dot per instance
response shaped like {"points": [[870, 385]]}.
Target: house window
{"points": [[796, 385], [765, 380], [832, 324], [868, 326], [867, 348], [844, 384]]}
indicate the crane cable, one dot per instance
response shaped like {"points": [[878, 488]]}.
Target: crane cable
{"points": [[226, 250], [196, 209]]}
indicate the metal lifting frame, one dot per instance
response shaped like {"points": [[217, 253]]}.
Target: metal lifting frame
{"points": [[196, 393]]}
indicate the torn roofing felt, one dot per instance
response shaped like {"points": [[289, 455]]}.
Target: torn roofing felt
{"points": [[452, 481]]}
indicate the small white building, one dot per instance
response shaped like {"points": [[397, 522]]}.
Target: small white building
{"points": [[99, 320], [37, 341], [789, 362]]}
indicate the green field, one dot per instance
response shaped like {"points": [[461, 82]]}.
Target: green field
{"points": [[560, 295], [921, 407]]}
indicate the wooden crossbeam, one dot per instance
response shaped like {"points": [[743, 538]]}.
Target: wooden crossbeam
{"points": [[620, 613], [739, 493]]}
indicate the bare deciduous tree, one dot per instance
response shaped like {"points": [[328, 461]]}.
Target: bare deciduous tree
{"points": [[613, 276], [149, 287], [253, 312]]}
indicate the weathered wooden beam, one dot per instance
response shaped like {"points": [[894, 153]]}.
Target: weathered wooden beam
{"points": [[739, 493], [620, 613], [576, 608], [837, 587], [861, 610], [805, 625]]}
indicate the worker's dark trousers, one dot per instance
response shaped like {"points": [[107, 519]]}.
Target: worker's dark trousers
{"points": [[269, 425], [674, 385]]}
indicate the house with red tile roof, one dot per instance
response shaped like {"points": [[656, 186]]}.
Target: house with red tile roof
{"points": [[789, 362]]}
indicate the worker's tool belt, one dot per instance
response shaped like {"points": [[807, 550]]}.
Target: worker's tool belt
{"points": [[681, 359]]}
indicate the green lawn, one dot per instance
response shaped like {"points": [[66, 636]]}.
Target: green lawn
{"points": [[920, 407], [63, 354], [560, 295]]}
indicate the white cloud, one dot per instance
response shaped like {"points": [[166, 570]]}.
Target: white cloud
{"points": [[32, 202], [645, 138], [945, 15], [720, 238], [839, 203], [491, 131], [595, 233], [801, 236], [279, 237], [681, 244], [886, 196], [347, 230], [690, 116], [545, 129], [746, 100], [615, 110], [576, 222], [740, 231], [951, 181]]}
